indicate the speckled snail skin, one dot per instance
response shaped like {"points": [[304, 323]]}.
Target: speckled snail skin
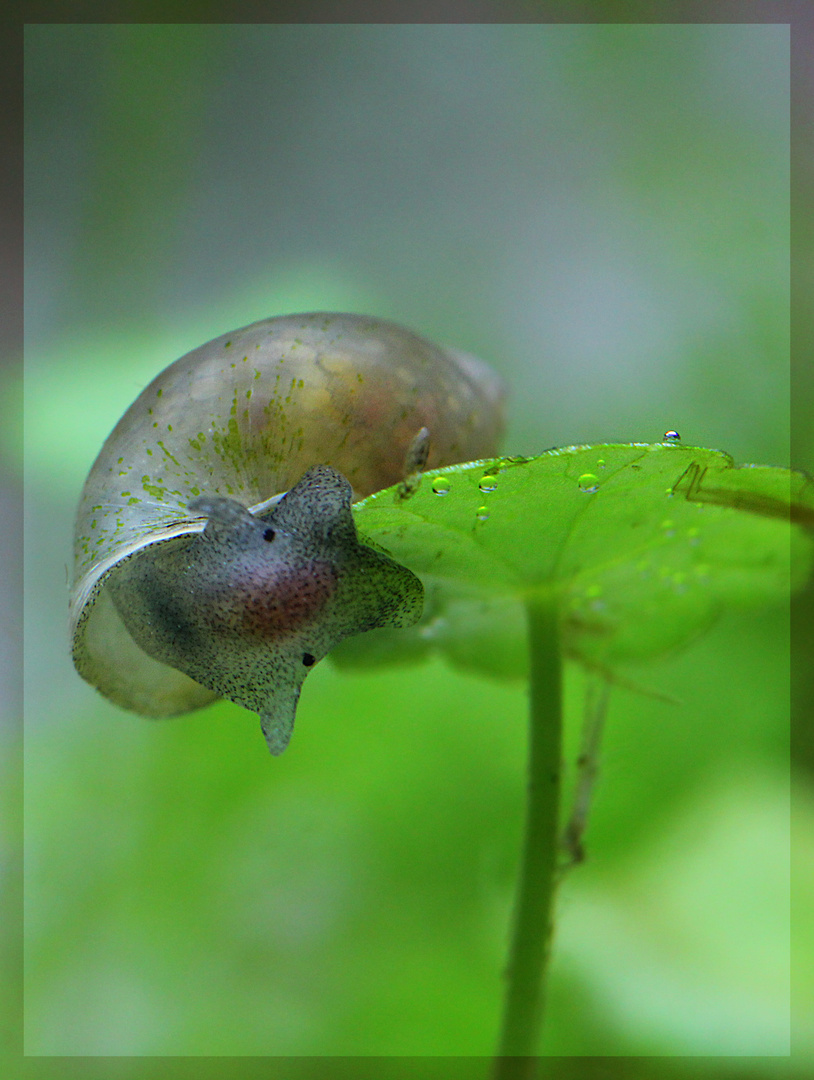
{"points": [[193, 578]]}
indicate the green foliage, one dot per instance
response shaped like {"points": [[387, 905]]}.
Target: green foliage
{"points": [[641, 545], [588, 533]]}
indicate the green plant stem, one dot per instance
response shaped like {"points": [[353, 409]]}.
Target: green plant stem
{"points": [[531, 937]]}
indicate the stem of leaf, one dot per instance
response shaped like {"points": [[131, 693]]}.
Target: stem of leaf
{"points": [[531, 936]]}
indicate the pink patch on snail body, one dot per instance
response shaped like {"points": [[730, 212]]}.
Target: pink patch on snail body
{"points": [[285, 603]]}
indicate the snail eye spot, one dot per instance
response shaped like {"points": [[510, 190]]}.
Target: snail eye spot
{"points": [[308, 659], [268, 535]]}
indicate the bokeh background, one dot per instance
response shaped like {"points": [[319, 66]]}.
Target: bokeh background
{"points": [[601, 212]]}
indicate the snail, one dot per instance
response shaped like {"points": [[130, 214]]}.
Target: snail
{"points": [[215, 551]]}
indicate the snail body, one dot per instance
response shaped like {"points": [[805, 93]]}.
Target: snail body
{"points": [[194, 577]]}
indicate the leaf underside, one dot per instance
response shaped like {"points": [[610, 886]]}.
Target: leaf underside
{"points": [[641, 546]]}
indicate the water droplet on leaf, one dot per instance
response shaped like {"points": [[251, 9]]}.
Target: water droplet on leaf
{"points": [[488, 483], [588, 482], [671, 436], [440, 485]]}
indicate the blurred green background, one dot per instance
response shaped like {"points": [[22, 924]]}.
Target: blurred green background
{"points": [[601, 212]]}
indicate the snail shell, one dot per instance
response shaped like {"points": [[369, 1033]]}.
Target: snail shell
{"points": [[193, 578]]}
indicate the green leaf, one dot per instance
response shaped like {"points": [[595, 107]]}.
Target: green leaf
{"points": [[640, 545]]}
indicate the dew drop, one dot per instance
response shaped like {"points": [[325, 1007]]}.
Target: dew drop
{"points": [[671, 436], [488, 483], [588, 482], [482, 513], [600, 463], [440, 485]]}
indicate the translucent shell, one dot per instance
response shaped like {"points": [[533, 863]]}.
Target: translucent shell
{"points": [[232, 425]]}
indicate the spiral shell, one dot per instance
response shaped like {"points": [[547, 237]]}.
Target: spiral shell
{"points": [[235, 423]]}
